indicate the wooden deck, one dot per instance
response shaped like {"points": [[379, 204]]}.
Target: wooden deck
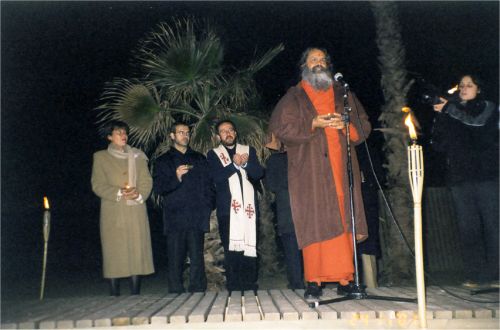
{"points": [[269, 309]]}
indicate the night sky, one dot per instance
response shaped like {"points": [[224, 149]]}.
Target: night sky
{"points": [[56, 57]]}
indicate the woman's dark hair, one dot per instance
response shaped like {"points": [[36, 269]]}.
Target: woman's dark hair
{"points": [[475, 79], [217, 125], [108, 128]]}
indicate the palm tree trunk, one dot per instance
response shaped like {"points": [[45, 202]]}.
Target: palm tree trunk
{"points": [[397, 263]]}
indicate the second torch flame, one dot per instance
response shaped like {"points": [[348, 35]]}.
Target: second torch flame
{"points": [[411, 127], [46, 203], [453, 89]]}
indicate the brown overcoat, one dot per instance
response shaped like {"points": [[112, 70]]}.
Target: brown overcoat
{"points": [[313, 196], [125, 234]]}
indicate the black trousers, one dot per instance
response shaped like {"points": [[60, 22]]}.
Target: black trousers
{"points": [[241, 271], [178, 243], [293, 261], [476, 204]]}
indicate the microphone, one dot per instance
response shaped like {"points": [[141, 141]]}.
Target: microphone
{"points": [[340, 78]]}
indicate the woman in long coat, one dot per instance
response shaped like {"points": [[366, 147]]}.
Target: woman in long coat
{"points": [[121, 179]]}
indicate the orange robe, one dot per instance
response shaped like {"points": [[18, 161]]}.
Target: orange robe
{"points": [[330, 260]]}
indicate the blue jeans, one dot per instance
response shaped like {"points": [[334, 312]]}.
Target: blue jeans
{"points": [[476, 204]]}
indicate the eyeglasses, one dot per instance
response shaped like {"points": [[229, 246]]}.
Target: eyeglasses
{"points": [[119, 131], [227, 131], [183, 133]]}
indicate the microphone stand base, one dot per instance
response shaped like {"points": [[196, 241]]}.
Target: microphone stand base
{"points": [[358, 293]]}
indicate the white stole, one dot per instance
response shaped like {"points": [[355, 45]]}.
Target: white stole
{"points": [[130, 154], [242, 220]]}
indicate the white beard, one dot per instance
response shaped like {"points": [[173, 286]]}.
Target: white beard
{"points": [[319, 80]]}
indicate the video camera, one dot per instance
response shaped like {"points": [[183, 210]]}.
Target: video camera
{"points": [[429, 94], [430, 99]]}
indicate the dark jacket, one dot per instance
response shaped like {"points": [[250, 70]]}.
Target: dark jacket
{"points": [[315, 209], [186, 205], [220, 176], [276, 180], [467, 134]]}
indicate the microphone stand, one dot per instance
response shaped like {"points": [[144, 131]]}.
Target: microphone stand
{"points": [[357, 291]]}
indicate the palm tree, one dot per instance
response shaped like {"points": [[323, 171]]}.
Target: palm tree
{"points": [[397, 261], [179, 74]]}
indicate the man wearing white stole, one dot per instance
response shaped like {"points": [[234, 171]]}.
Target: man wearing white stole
{"points": [[233, 167]]}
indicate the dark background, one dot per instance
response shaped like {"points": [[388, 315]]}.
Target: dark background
{"points": [[56, 57]]}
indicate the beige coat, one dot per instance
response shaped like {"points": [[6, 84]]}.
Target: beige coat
{"points": [[125, 236]]}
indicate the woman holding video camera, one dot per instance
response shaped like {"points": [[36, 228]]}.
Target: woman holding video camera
{"points": [[466, 131]]}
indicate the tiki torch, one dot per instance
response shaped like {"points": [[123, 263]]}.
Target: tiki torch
{"points": [[416, 175], [46, 232]]}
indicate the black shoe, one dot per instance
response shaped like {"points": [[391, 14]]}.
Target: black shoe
{"points": [[345, 290], [313, 291], [114, 287], [135, 285]]}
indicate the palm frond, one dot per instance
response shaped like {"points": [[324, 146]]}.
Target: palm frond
{"points": [[203, 139], [137, 105], [180, 58], [258, 64], [240, 85], [238, 91], [149, 138]]}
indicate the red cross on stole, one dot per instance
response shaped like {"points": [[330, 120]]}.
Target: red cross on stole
{"points": [[249, 211], [235, 205], [224, 158]]}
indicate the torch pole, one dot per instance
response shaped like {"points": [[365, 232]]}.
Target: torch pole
{"points": [[46, 233], [416, 174]]}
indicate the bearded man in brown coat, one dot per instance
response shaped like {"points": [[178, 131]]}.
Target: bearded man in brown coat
{"points": [[308, 121]]}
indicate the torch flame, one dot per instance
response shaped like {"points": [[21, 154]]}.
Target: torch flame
{"points": [[453, 90], [46, 203], [411, 127]]}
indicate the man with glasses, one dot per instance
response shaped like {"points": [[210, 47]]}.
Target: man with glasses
{"points": [[182, 180], [233, 166]]}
